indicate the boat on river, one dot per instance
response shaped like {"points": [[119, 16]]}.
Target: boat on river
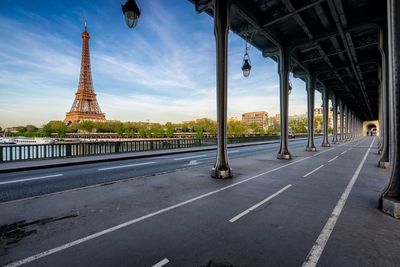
{"points": [[33, 141]]}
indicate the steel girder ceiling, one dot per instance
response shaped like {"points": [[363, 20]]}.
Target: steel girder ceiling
{"points": [[337, 40]]}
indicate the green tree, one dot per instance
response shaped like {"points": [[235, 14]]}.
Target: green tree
{"points": [[86, 126], [169, 129], [318, 124], [237, 128], [142, 133], [31, 128], [119, 128], [57, 127], [199, 132], [21, 129]]}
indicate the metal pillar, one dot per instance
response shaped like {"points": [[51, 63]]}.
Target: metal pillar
{"points": [[347, 123], [311, 80], [351, 124], [390, 200], [284, 60], [350, 133], [380, 107], [335, 111], [221, 168], [384, 160], [325, 107], [341, 139], [344, 123]]}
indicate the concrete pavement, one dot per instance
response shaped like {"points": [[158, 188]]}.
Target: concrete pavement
{"points": [[183, 218]]}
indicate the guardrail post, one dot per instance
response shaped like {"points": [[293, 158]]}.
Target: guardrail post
{"points": [[68, 150]]}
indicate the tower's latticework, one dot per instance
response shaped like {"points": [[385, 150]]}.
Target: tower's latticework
{"points": [[85, 106]]}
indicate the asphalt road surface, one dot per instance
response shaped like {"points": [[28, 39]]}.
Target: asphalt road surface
{"points": [[25, 184], [319, 209]]}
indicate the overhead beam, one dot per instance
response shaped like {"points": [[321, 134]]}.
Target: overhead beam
{"points": [[292, 13], [202, 5], [343, 35], [340, 52]]}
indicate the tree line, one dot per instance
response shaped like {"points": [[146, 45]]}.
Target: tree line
{"points": [[153, 129]]}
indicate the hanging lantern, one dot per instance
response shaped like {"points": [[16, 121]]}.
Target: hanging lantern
{"points": [[246, 67], [131, 13]]}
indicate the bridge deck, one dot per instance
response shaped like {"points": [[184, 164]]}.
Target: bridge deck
{"points": [[188, 219]]}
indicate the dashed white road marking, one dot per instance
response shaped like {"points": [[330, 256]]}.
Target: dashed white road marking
{"points": [[344, 152], [127, 166], [161, 263], [319, 245], [332, 159], [311, 172], [31, 179], [195, 162], [191, 157], [240, 215]]}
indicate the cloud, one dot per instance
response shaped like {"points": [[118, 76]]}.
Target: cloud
{"points": [[164, 70]]}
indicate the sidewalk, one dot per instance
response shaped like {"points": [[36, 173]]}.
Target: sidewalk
{"points": [[59, 162]]}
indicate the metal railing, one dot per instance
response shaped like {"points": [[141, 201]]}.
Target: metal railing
{"points": [[10, 153]]}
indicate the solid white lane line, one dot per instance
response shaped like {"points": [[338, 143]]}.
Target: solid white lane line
{"points": [[311, 172], [147, 216], [319, 245], [30, 179], [191, 157], [240, 215], [161, 263], [127, 166], [332, 159], [344, 152], [319, 153]]}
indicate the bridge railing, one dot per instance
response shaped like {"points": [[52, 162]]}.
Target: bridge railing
{"points": [[9, 153]]}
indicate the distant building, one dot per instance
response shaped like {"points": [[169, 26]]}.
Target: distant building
{"points": [[259, 117], [233, 119], [319, 112], [274, 121], [297, 117]]}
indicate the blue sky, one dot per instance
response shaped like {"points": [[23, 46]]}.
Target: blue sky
{"points": [[163, 70]]}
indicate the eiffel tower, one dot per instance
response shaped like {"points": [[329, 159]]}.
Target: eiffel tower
{"points": [[85, 106]]}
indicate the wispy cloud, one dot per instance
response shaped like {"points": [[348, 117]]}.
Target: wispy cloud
{"points": [[164, 70]]}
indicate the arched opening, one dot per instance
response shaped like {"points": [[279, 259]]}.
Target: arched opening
{"points": [[371, 129]]}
